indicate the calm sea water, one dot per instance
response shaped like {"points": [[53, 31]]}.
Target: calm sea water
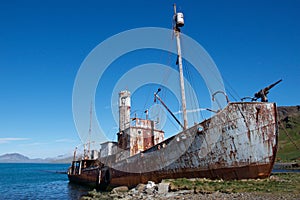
{"points": [[37, 181]]}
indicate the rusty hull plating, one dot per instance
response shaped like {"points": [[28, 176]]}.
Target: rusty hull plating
{"points": [[239, 142]]}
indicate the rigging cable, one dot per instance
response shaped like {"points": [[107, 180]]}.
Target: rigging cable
{"points": [[165, 78], [190, 92], [191, 80], [288, 135]]}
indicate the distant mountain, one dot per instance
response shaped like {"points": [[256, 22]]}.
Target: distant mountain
{"points": [[19, 158], [14, 157], [60, 159]]}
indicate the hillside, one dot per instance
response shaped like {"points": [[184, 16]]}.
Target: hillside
{"points": [[14, 157], [289, 133]]}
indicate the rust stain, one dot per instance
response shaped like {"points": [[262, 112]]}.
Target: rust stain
{"points": [[221, 161], [225, 146]]}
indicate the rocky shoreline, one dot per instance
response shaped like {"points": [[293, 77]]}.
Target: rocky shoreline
{"points": [[163, 191]]}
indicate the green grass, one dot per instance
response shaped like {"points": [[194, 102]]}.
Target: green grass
{"points": [[279, 183], [287, 151]]}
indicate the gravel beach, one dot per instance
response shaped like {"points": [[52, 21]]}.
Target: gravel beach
{"points": [[161, 191]]}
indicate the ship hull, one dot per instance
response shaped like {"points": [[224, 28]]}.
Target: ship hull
{"points": [[239, 142], [253, 171], [88, 180]]}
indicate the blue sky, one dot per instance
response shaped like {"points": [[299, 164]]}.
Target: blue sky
{"points": [[42, 46]]}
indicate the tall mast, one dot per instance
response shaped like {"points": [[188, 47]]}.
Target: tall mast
{"points": [[90, 130], [178, 17]]}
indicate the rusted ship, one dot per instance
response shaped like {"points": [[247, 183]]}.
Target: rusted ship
{"points": [[238, 142]]}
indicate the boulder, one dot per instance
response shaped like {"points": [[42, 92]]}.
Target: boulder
{"points": [[150, 185], [140, 187], [163, 188], [120, 189]]}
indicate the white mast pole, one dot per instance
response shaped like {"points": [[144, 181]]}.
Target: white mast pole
{"points": [[90, 131], [183, 101]]}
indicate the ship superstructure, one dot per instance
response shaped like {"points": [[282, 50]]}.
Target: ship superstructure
{"points": [[238, 142]]}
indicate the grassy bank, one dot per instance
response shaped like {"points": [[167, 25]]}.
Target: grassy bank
{"points": [[289, 134], [289, 130], [276, 184]]}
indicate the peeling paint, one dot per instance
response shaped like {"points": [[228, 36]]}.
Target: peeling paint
{"points": [[238, 142]]}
